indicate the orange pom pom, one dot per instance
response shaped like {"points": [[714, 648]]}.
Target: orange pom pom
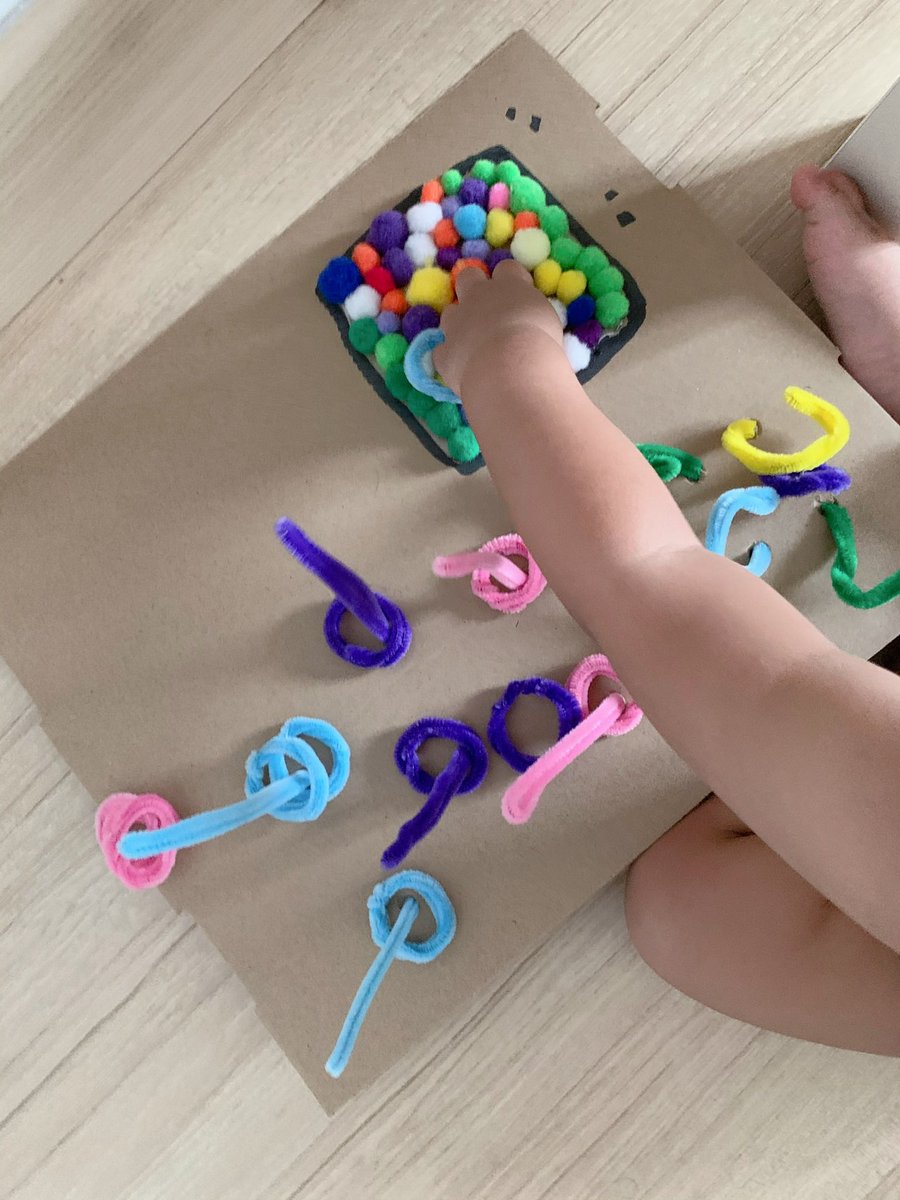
{"points": [[526, 220], [432, 190], [365, 256], [462, 264], [445, 233], [394, 301]]}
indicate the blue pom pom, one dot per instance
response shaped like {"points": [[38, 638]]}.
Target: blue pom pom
{"points": [[581, 309], [338, 279], [470, 221]]}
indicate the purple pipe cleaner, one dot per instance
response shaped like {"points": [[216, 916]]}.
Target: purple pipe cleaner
{"points": [[569, 715], [805, 483]]}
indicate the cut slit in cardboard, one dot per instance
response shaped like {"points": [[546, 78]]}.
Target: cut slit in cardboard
{"points": [[164, 633]]}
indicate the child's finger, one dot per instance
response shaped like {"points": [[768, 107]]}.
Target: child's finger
{"points": [[467, 279], [508, 267]]}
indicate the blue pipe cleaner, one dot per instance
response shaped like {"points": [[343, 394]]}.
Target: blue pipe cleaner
{"points": [[761, 501], [414, 366]]}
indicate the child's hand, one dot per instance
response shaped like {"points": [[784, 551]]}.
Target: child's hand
{"points": [[489, 315]]}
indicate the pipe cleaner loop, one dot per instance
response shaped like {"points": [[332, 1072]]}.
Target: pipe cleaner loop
{"points": [[669, 462], [289, 796], [116, 815], [821, 479], [757, 500], [568, 713], [464, 773], [384, 619], [846, 562], [598, 666], [419, 367], [492, 562], [737, 437], [393, 943]]}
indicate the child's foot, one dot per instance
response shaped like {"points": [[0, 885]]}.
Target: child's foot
{"points": [[855, 271]]}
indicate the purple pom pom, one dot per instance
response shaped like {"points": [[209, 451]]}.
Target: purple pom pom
{"points": [[589, 332], [497, 256], [581, 309], [475, 248], [387, 229], [399, 264], [474, 191], [388, 322], [449, 205], [417, 318], [447, 256], [338, 279]]}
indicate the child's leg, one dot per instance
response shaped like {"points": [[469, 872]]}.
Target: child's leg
{"points": [[721, 917]]}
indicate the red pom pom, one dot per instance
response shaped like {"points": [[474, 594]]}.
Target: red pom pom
{"points": [[365, 256], [432, 190], [526, 220], [380, 279], [445, 233]]}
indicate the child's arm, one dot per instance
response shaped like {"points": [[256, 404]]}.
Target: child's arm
{"points": [[802, 740]]}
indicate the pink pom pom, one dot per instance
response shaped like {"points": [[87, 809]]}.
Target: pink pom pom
{"points": [[498, 196]]}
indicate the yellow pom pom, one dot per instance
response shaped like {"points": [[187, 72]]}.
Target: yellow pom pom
{"points": [[530, 247], [430, 285], [571, 285], [547, 275], [499, 229]]}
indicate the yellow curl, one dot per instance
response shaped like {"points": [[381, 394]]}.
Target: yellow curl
{"points": [[737, 437]]}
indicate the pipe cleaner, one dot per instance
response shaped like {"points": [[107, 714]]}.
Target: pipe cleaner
{"points": [[492, 562], [669, 462], [846, 562], [758, 500], [805, 483], [419, 367], [737, 437], [568, 713]]}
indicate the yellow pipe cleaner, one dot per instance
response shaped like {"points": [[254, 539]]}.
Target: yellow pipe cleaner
{"points": [[737, 437]]}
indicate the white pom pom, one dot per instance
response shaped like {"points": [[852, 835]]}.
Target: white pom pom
{"points": [[530, 247], [560, 309], [363, 301], [421, 249], [422, 218], [578, 354]]}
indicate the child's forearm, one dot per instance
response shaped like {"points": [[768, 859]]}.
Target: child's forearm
{"points": [[739, 682]]}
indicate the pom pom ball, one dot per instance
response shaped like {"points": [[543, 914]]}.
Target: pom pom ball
{"points": [[560, 309], [608, 279], [363, 301], [590, 332], [451, 182], [445, 233], [499, 227], [380, 279], [554, 221], [388, 229], [394, 301], [449, 205], [474, 191], [526, 220], [566, 251], [464, 264], [578, 354], [338, 279], [530, 247], [612, 309], [422, 218], [507, 172], [365, 256], [447, 256], [420, 249], [432, 190], [526, 193], [463, 445], [417, 318], [484, 170], [388, 322], [474, 248], [363, 335], [470, 221], [399, 264], [498, 196], [419, 404], [443, 419], [396, 382], [497, 256], [430, 285], [546, 276], [591, 260], [391, 349], [581, 309], [571, 285]]}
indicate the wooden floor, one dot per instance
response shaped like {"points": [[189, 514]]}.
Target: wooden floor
{"points": [[147, 147]]}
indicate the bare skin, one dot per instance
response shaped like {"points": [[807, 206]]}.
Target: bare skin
{"points": [[796, 929]]}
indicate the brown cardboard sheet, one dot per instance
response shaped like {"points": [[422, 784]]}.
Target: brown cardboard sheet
{"points": [[164, 633]]}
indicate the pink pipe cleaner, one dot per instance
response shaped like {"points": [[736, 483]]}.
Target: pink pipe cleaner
{"points": [[597, 666], [492, 563], [118, 814]]}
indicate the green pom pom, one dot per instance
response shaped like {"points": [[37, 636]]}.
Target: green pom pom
{"points": [[526, 195], [565, 251], [608, 279], [443, 419], [419, 404], [554, 221], [591, 260], [391, 349], [451, 181], [396, 382], [364, 335], [463, 444], [507, 172], [612, 309], [485, 170]]}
